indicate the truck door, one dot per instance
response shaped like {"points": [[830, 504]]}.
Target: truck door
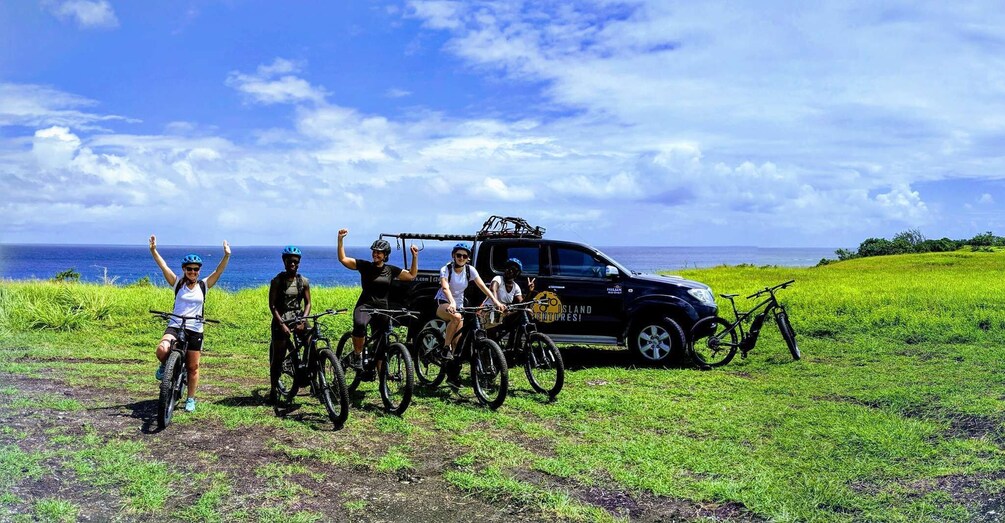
{"points": [[591, 303]]}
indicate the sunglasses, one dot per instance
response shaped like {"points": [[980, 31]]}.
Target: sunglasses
{"points": [[461, 256], [192, 269], [292, 261]]}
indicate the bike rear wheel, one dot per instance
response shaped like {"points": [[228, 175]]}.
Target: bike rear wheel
{"points": [[782, 319], [713, 342], [543, 364], [333, 391], [171, 383], [489, 374], [397, 379], [344, 352], [426, 349]]}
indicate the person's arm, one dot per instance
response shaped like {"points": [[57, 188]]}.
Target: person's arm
{"points": [[518, 297], [347, 262], [169, 275], [414, 269], [212, 279], [274, 306], [489, 293], [307, 300], [445, 286]]}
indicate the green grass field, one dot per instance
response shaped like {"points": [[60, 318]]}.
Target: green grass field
{"points": [[895, 413]]}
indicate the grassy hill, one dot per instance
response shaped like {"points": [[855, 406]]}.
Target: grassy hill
{"points": [[896, 413]]}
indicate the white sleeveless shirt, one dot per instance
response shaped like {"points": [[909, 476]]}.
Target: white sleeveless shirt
{"points": [[189, 302]]}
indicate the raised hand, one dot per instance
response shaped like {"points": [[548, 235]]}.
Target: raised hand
{"points": [[153, 242], [530, 284], [342, 233], [415, 249], [226, 248]]}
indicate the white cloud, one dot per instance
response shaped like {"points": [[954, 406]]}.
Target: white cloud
{"points": [[54, 147], [986, 199], [497, 190], [397, 93], [39, 105], [274, 83], [88, 14]]}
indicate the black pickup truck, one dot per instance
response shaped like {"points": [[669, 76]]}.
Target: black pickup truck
{"points": [[591, 298]]}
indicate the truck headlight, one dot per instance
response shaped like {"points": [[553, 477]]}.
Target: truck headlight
{"points": [[703, 295]]}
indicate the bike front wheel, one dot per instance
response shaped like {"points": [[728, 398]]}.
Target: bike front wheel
{"points": [[397, 379], [333, 390], [287, 386], [782, 319], [489, 373], [713, 342], [426, 351], [171, 384], [344, 352], [543, 364]]}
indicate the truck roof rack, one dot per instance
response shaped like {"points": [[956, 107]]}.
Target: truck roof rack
{"points": [[509, 227], [428, 236]]}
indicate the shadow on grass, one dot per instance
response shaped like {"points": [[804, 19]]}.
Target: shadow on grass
{"points": [[577, 357], [145, 411], [258, 397]]}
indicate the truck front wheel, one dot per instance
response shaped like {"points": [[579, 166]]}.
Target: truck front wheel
{"points": [[656, 340]]}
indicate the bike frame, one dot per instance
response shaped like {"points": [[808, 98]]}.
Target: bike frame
{"points": [[308, 344], [379, 342], [749, 339]]}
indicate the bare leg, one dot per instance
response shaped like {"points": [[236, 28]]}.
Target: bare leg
{"points": [[193, 372]]}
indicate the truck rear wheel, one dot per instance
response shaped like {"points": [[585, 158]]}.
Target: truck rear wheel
{"points": [[656, 340]]}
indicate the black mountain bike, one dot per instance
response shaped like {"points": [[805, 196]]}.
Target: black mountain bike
{"points": [[518, 337], [312, 363], [175, 377], [714, 340], [384, 357], [489, 373]]}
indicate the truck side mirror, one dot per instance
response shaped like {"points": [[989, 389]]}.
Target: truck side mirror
{"points": [[612, 272]]}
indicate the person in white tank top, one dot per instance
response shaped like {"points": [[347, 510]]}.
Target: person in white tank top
{"points": [[454, 279], [189, 301]]}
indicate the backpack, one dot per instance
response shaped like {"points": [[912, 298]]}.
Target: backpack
{"points": [[202, 285], [467, 271], [300, 284]]}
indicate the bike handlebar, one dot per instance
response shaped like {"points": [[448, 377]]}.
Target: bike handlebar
{"points": [[771, 289], [299, 319], [526, 304], [167, 315]]}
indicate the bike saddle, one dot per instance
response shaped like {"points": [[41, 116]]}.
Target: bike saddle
{"points": [[729, 296]]}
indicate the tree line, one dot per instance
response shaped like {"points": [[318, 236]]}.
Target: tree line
{"points": [[912, 241]]}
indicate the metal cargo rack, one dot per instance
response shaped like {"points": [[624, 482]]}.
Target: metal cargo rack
{"points": [[495, 227]]}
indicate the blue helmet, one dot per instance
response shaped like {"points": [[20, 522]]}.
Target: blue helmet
{"points": [[460, 247], [190, 259], [515, 262], [291, 250]]}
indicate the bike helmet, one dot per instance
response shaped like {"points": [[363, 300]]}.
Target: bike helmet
{"points": [[460, 247], [381, 245], [291, 250], [514, 262], [191, 258]]}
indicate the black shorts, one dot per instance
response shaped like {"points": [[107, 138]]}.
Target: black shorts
{"points": [[361, 319], [194, 338]]}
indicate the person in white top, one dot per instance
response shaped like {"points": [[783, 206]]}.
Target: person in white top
{"points": [[454, 279], [504, 286], [189, 300]]}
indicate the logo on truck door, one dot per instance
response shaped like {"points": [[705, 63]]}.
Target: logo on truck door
{"points": [[548, 311]]}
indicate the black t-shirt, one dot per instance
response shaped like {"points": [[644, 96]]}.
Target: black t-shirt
{"points": [[376, 282]]}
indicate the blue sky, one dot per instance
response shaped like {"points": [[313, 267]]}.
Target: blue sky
{"points": [[616, 123]]}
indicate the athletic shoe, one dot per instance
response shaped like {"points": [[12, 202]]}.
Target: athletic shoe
{"points": [[447, 354], [356, 361], [190, 405], [160, 372]]}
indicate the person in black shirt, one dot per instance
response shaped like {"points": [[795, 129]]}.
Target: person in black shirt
{"points": [[289, 298], [375, 278]]}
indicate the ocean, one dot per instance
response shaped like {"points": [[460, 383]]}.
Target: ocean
{"points": [[255, 266]]}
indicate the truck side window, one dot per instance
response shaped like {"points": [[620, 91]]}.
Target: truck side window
{"points": [[577, 264], [528, 256]]}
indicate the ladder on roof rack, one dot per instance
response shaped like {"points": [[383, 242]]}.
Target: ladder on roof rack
{"points": [[509, 227]]}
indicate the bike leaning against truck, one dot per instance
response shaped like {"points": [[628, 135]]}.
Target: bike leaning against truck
{"points": [[714, 340]]}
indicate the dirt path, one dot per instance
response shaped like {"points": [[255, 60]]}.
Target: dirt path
{"points": [[355, 493]]}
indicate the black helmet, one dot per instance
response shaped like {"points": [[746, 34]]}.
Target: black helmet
{"points": [[381, 245]]}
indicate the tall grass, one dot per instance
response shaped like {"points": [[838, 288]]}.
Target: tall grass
{"points": [[898, 397]]}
